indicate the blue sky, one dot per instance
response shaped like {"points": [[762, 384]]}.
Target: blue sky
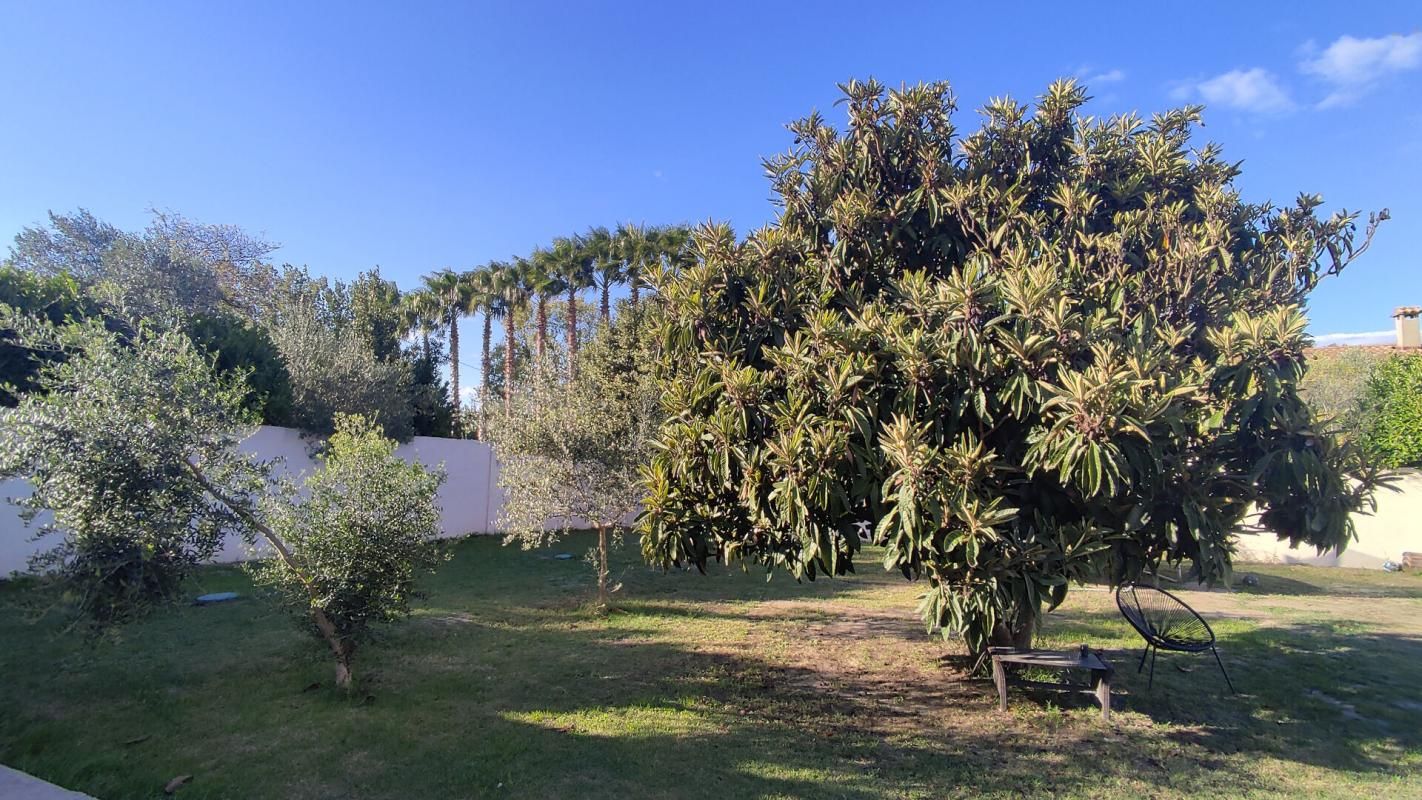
{"points": [[416, 136]]}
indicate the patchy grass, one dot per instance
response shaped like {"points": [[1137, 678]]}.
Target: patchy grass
{"points": [[506, 685]]}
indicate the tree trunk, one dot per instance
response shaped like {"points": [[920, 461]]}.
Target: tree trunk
{"points": [[572, 330], [341, 650], [602, 569], [542, 326], [635, 288], [484, 370], [508, 361], [606, 303], [1018, 634], [454, 364]]}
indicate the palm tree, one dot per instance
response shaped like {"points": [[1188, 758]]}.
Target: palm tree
{"points": [[455, 299], [420, 315], [672, 247], [572, 264], [543, 283], [510, 290], [636, 248], [482, 298], [606, 265]]}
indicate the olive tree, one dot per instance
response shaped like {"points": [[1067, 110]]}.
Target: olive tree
{"points": [[570, 451], [362, 530], [131, 443], [119, 442], [1054, 348]]}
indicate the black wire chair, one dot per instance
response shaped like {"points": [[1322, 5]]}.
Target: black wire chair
{"points": [[1166, 623]]}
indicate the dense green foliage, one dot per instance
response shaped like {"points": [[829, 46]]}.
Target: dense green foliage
{"points": [[1053, 348], [109, 446], [241, 348], [363, 528], [1391, 411], [54, 298]]}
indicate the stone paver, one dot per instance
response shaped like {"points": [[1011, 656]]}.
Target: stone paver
{"points": [[16, 785]]}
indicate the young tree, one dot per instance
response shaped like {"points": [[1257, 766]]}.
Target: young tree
{"points": [[1053, 348], [132, 446], [569, 453], [120, 443], [361, 533]]}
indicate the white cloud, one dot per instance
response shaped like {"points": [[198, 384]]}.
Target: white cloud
{"points": [[1254, 90], [1092, 76], [1354, 65], [1366, 337]]}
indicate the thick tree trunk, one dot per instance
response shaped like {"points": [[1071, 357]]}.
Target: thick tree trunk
{"points": [[542, 327], [341, 650], [1018, 633], [572, 330], [508, 361]]}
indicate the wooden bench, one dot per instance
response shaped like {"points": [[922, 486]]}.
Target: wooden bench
{"points": [[1059, 660]]}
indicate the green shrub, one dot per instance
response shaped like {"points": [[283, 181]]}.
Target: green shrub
{"points": [[1392, 407]]}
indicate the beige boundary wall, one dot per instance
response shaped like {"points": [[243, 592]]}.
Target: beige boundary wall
{"points": [[470, 498], [1395, 528]]}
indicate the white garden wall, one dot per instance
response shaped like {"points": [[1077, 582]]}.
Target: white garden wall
{"points": [[469, 500]]}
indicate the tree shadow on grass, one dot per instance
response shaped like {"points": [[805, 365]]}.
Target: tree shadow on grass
{"points": [[1321, 693], [504, 685], [1308, 586]]}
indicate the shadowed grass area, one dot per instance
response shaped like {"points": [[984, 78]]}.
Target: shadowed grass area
{"points": [[506, 685]]}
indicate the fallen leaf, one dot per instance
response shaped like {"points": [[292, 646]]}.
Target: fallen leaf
{"points": [[176, 784], [135, 740]]}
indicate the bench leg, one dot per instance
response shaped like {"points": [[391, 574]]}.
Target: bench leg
{"points": [[1101, 683], [999, 677]]}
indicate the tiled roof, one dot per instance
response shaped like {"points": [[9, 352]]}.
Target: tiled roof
{"points": [[1340, 349]]}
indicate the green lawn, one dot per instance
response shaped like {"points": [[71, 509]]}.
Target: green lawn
{"points": [[719, 686]]}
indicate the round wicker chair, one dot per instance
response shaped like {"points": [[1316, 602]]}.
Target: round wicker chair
{"points": [[1166, 623]]}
